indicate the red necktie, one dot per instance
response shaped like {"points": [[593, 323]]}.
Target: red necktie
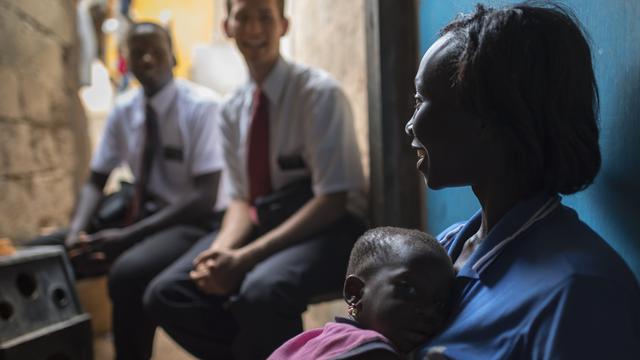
{"points": [[151, 140], [258, 157]]}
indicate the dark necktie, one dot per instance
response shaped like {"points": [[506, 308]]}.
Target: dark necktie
{"points": [[258, 157], [151, 140]]}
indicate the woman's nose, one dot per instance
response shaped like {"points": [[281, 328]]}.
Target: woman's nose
{"points": [[408, 128]]}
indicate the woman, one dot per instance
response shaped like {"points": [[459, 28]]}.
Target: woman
{"points": [[506, 102]]}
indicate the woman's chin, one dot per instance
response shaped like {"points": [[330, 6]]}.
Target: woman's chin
{"points": [[431, 183]]}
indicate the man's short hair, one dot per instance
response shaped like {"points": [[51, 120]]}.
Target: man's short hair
{"points": [[526, 71], [280, 5], [383, 245], [137, 27]]}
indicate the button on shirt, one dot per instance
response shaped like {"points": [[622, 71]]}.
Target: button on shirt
{"points": [[189, 135], [311, 134], [557, 290]]}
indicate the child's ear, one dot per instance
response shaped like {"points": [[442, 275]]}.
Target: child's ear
{"points": [[353, 289]]}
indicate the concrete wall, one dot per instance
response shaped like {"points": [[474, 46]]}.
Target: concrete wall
{"points": [[43, 140]]}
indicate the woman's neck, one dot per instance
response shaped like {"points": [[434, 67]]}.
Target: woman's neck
{"points": [[496, 199]]}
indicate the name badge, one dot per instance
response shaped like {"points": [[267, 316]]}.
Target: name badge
{"points": [[291, 162], [172, 153]]}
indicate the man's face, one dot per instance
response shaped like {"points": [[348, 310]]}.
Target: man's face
{"points": [[406, 301], [150, 58], [256, 26], [446, 137]]}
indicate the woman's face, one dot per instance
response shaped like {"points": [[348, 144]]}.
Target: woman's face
{"points": [[449, 140]]}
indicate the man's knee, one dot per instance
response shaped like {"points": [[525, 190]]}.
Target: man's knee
{"points": [[152, 300], [263, 293], [126, 278]]}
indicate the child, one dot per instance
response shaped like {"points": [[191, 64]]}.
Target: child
{"points": [[397, 288]]}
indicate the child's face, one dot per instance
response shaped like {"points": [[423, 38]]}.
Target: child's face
{"points": [[406, 301]]}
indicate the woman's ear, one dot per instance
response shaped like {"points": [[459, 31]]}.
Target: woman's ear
{"points": [[353, 289]]}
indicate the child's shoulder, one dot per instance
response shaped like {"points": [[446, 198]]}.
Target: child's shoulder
{"points": [[342, 339]]}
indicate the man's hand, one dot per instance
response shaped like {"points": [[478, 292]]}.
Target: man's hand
{"points": [[220, 272], [90, 245], [73, 239], [87, 257], [109, 235]]}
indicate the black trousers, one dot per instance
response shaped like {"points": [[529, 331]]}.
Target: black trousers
{"points": [[267, 309], [129, 275]]}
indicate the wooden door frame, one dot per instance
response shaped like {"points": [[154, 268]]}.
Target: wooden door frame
{"points": [[396, 188]]}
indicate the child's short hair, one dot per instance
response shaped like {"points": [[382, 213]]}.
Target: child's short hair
{"points": [[382, 245], [526, 71]]}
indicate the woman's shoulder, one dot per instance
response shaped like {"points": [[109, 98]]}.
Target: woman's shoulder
{"points": [[569, 246]]}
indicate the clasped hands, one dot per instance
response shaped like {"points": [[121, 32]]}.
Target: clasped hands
{"points": [[220, 271]]}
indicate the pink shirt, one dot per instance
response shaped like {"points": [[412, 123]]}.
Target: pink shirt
{"points": [[329, 342]]}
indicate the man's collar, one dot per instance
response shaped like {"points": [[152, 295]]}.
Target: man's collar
{"points": [[162, 100], [274, 83], [516, 221]]}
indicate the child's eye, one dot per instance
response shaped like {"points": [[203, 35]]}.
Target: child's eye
{"points": [[406, 290]]}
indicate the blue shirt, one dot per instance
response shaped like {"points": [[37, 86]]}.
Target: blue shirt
{"points": [[541, 285]]}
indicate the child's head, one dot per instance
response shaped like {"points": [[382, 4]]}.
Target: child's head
{"points": [[398, 284]]}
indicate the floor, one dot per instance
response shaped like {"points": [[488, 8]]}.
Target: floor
{"points": [[163, 349], [92, 294], [166, 349]]}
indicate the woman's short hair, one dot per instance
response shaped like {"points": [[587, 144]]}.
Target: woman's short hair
{"points": [[526, 71]]}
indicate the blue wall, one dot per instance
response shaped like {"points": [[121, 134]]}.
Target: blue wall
{"points": [[612, 205]]}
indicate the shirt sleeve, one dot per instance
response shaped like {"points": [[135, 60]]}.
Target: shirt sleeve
{"points": [[111, 149], [589, 318], [333, 153], [205, 137]]}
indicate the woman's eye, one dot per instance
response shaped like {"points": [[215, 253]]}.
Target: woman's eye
{"points": [[440, 305]]}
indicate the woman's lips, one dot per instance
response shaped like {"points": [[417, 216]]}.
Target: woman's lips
{"points": [[421, 156]]}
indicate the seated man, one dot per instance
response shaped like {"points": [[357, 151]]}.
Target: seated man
{"points": [[167, 132], [283, 241]]}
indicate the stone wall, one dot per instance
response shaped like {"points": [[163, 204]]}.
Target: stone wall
{"points": [[330, 34], [43, 137]]}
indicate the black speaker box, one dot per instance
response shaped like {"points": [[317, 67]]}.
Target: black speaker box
{"points": [[40, 315]]}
